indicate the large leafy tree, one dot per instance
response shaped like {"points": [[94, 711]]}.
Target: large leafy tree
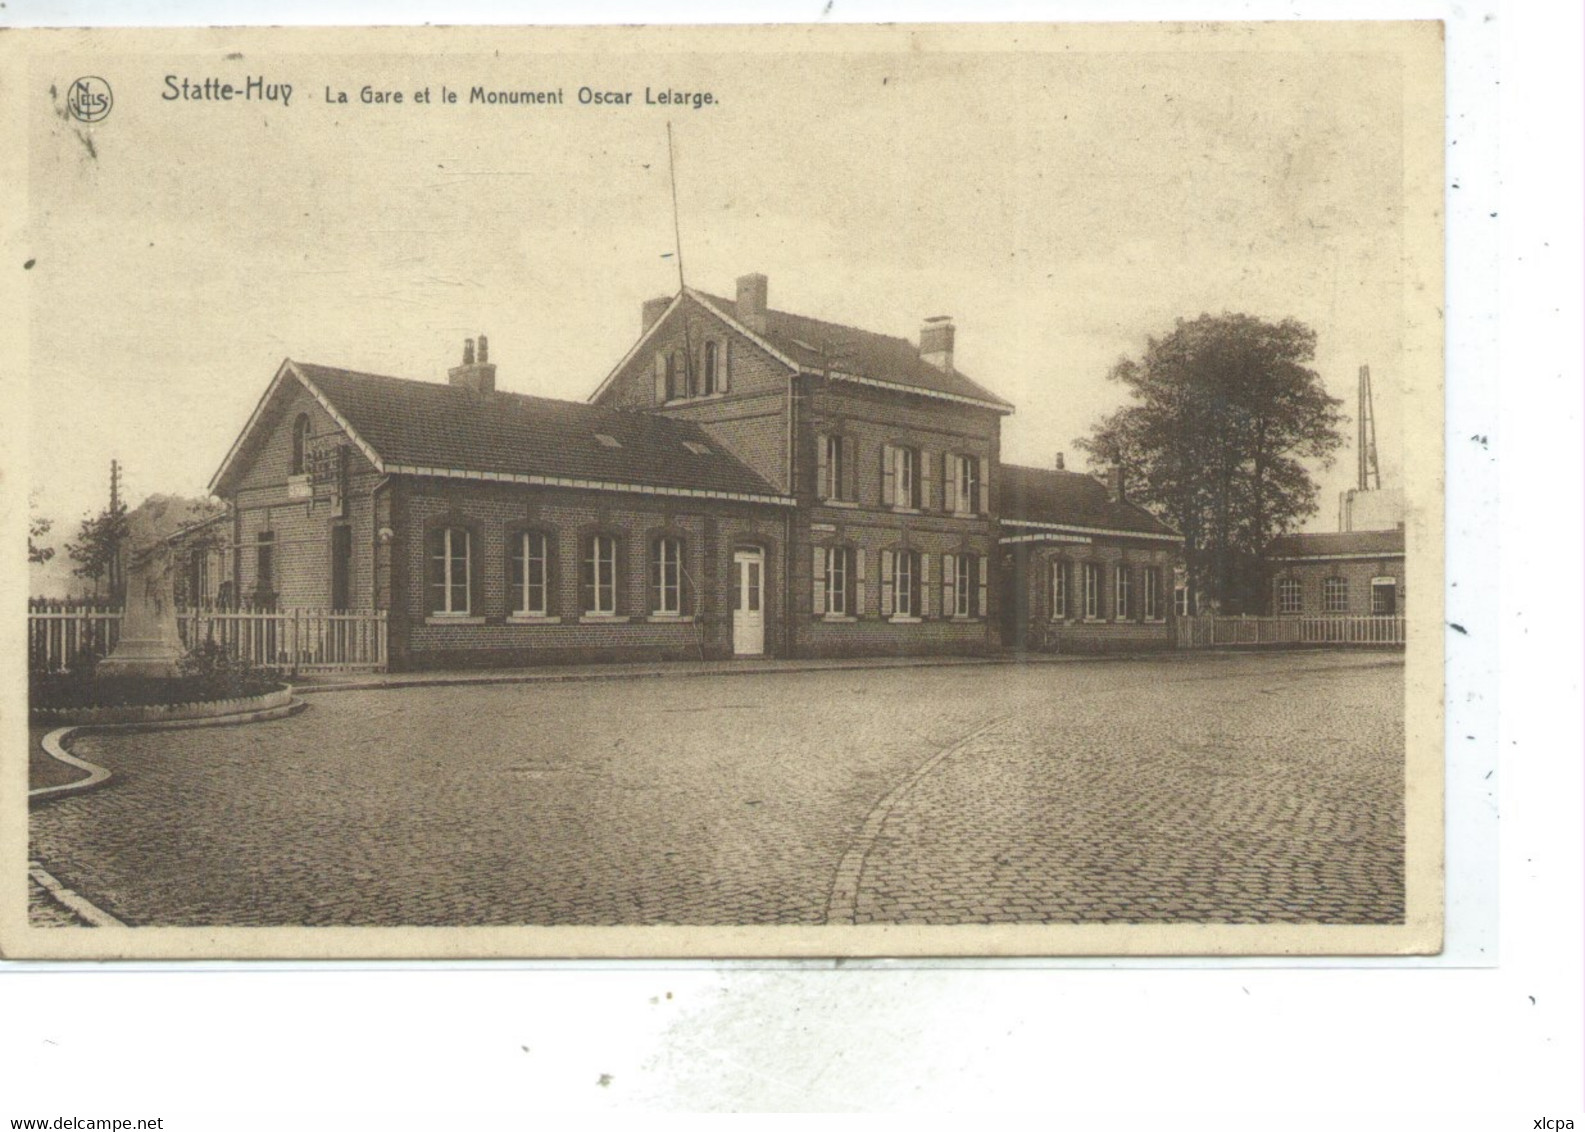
{"points": [[97, 551], [1225, 421]]}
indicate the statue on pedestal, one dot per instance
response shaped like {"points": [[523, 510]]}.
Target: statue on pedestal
{"points": [[150, 644]]}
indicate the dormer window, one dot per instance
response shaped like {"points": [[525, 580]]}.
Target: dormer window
{"points": [[608, 440]]}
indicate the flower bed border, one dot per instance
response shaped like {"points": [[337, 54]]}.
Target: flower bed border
{"points": [[161, 713]]}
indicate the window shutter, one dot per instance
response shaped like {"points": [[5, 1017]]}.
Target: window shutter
{"points": [[924, 585], [949, 585], [858, 586], [888, 584], [926, 493], [660, 378], [723, 367], [888, 475], [820, 582], [850, 469], [821, 466], [950, 482], [985, 489], [983, 609]]}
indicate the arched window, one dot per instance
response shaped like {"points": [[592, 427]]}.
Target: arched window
{"points": [[299, 444]]}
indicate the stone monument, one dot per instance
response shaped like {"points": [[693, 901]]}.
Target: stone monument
{"points": [[149, 644]]}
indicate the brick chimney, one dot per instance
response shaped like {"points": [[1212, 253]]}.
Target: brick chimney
{"points": [[935, 341], [1062, 461], [1116, 486], [653, 309], [753, 295], [478, 376]]}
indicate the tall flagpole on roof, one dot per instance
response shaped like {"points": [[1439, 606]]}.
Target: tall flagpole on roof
{"points": [[676, 228]]}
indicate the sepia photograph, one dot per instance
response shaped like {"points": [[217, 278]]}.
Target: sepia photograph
{"points": [[728, 492]]}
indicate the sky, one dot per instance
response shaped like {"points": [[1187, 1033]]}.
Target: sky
{"points": [[1062, 196]]}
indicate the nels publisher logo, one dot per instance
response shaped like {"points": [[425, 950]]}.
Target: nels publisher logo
{"points": [[89, 99]]}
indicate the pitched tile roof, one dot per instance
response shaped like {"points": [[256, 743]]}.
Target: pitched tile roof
{"points": [[1044, 495], [812, 342], [1332, 544], [428, 425]]}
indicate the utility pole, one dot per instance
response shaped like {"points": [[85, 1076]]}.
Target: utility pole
{"points": [[114, 565], [1369, 470]]}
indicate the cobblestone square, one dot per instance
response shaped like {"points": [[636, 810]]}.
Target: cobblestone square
{"points": [[1209, 788]]}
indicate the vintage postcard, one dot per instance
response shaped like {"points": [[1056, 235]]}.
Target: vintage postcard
{"points": [[523, 492]]}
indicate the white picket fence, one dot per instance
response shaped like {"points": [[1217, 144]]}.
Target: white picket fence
{"points": [[1335, 629], [294, 640]]}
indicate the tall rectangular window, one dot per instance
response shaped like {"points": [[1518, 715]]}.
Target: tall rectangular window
{"points": [[528, 583], [711, 367], [666, 576], [450, 577], [899, 476], [1384, 598], [1092, 591], [905, 583], [264, 572], [838, 592], [1123, 589], [599, 575], [968, 484], [1334, 595], [1152, 594], [1290, 596], [1059, 590], [831, 469], [1180, 600], [965, 588]]}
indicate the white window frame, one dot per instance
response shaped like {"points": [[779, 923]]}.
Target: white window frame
{"points": [[666, 585], [1059, 589], [1150, 600], [1334, 594], [905, 479], [448, 558], [968, 485], [1091, 575], [712, 367], [964, 583], [603, 594], [523, 562], [1180, 600], [1290, 588], [1122, 591], [904, 577], [839, 586]]}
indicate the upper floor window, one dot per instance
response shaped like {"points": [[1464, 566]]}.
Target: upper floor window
{"points": [[1290, 596], [965, 491], [1092, 591], [666, 576], [450, 571], [968, 483], [1123, 595], [300, 444], [899, 476], [1059, 590], [528, 581], [834, 456], [1334, 595], [712, 367], [598, 581]]}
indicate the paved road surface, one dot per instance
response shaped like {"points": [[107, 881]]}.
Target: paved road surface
{"points": [[1212, 789]]}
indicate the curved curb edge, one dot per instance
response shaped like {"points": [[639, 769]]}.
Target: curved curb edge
{"points": [[842, 904], [74, 902]]}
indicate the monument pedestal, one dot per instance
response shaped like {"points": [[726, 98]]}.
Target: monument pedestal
{"points": [[149, 644]]}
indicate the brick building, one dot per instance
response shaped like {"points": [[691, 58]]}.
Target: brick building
{"points": [[744, 482], [1359, 573]]}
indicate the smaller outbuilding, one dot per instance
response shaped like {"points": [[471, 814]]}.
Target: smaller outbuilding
{"points": [[1354, 573]]}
